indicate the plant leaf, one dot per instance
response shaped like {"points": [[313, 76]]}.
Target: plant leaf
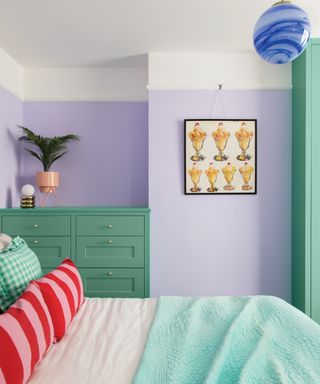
{"points": [[47, 149]]}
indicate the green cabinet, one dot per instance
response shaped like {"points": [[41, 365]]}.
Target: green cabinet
{"points": [[51, 251], [306, 181], [113, 282], [110, 251], [36, 225], [110, 246]]}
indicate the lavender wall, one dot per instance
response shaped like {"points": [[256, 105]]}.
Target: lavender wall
{"points": [[109, 166], [200, 245], [10, 159], [220, 245]]}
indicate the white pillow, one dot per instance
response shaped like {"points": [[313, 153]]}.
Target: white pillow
{"points": [[5, 240]]}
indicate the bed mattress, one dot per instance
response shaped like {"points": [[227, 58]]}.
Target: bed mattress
{"points": [[103, 344]]}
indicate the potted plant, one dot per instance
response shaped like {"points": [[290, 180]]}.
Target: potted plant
{"points": [[47, 150]]}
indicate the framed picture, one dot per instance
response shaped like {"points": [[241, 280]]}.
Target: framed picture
{"points": [[220, 156]]}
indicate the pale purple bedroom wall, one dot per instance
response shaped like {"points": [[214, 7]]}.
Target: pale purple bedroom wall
{"points": [[220, 245], [10, 157], [200, 245], [109, 166]]}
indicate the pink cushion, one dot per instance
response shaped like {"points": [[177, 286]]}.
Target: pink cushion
{"points": [[26, 333], [62, 290]]}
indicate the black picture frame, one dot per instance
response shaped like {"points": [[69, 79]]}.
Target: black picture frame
{"points": [[234, 160]]}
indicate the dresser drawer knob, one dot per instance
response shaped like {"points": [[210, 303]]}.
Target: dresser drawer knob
{"points": [[109, 241], [35, 225], [109, 273], [35, 241], [109, 226]]}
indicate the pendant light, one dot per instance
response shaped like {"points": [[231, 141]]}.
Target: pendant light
{"points": [[281, 33]]}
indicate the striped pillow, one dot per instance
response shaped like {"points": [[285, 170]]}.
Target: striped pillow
{"points": [[63, 293], [26, 333]]}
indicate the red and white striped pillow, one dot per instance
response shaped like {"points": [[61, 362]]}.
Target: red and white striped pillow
{"points": [[26, 333], [62, 290]]}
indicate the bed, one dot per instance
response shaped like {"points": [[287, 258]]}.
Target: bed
{"points": [[51, 334], [177, 340], [103, 344]]}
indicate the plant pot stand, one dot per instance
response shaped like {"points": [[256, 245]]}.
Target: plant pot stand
{"points": [[51, 191]]}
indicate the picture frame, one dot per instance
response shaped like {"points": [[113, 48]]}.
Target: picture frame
{"points": [[220, 156]]}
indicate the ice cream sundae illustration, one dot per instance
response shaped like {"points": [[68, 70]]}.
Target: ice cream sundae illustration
{"points": [[228, 173], [221, 136], [212, 174], [246, 172], [195, 174], [197, 137], [244, 136]]}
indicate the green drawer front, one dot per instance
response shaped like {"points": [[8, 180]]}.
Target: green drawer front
{"points": [[51, 251], [46, 270], [113, 282], [36, 225], [108, 251], [110, 225]]}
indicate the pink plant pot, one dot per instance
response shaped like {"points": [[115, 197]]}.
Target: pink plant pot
{"points": [[48, 181]]}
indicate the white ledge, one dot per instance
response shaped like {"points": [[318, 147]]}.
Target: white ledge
{"points": [[212, 87], [206, 70]]}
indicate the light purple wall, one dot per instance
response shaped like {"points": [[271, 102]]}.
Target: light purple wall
{"points": [[109, 166], [10, 158], [220, 245], [200, 245]]}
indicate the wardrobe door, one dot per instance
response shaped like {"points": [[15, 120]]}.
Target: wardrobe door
{"points": [[315, 183]]}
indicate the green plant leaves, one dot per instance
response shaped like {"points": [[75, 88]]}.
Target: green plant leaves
{"points": [[46, 149]]}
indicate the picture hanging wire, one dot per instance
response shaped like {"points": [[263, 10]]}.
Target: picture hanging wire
{"points": [[214, 99]]}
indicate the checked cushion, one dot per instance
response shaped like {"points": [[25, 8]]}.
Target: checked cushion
{"points": [[18, 266]]}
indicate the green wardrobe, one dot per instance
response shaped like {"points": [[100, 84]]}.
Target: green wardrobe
{"points": [[306, 181]]}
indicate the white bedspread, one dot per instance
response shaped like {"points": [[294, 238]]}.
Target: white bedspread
{"points": [[103, 344]]}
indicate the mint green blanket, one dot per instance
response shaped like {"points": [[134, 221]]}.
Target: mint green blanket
{"points": [[226, 340]]}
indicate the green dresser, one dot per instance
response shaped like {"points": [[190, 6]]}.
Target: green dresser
{"points": [[110, 246], [306, 181]]}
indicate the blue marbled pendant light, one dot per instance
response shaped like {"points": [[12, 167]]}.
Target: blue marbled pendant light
{"points": [[282, 33]]}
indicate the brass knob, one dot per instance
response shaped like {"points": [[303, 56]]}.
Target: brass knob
{"points": [[35, 241], [35, 225], [109, 241], [109, 273], [109, 226]]}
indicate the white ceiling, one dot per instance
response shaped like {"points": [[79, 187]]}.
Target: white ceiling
{"points": [[119, 33]]}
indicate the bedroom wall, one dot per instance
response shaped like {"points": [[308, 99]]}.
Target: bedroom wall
{"points": [[220, 245], [109, 166], [10, 159]]}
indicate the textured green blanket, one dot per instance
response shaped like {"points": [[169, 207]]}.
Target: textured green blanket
{"points": [[226, 340]]}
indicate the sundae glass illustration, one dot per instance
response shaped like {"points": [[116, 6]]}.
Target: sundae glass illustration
{"points": [[228, 173], [197, 137], [195, 174], [246, 172], [244, 136], [212, 174], [221, 136]]}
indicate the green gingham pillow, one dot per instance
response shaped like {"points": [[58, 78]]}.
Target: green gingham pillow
{"points": [[18, 266]]}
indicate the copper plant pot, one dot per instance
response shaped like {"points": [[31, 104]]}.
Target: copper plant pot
{"points": [[48, 181]]}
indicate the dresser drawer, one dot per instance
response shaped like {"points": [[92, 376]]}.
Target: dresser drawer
{"points": [[112, 282], [109, 251], [110, 225], [36, 225], [51, 251]]}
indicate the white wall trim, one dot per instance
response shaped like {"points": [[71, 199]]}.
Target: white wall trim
{"points": [[11, 75], [207, 70], [85, 84], [171, 71], [212, 87]]}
